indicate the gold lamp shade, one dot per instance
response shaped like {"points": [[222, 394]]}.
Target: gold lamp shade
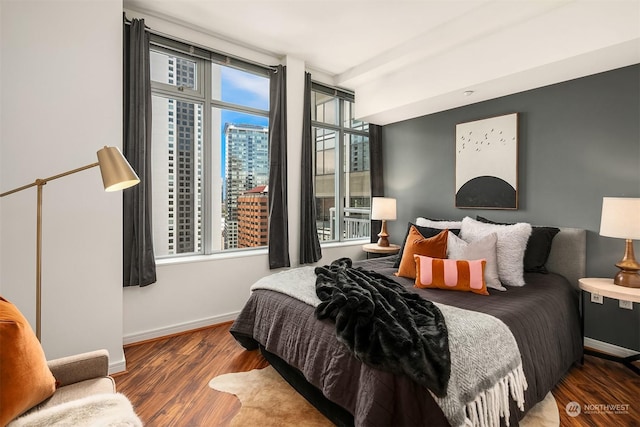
{"points": [[116, 172]]}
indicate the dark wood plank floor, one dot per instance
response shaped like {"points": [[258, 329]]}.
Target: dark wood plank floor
{"points": [[167, 382]]}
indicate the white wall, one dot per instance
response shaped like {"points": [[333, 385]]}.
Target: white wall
{"points": [[61, 101], [61, 84], [190, 295], [211, 290]]}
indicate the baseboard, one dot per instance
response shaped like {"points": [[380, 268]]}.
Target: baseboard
{"points": [[119, 366], [175, 329], [605, 347]]}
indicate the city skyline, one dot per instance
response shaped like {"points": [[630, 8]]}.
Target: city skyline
{"points": [[240, 87], [246, 167]]}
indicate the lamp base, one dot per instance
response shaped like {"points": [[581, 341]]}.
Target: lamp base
{"points": [[628, 275], [629, 279], [383, 240]]}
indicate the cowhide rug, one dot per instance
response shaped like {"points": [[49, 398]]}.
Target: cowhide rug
{"points": [[269, 401]]}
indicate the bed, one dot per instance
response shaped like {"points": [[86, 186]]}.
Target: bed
{"points": [[543, 317]]}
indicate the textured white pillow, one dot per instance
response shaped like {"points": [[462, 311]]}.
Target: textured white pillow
{"points": [[484, 248], [512, 242], [441, 225]]}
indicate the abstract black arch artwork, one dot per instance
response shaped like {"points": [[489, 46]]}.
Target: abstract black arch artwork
{"points": [[487, 163]]}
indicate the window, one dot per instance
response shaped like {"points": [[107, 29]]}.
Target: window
{"points": [[342, 185], [210, 150]]}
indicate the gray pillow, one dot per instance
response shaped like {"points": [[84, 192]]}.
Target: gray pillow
{"points": [[484, 248], [512, 242]]}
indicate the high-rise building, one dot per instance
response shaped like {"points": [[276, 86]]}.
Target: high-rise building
{"points": [[177, 134], [246, 167], [253, 217], [188, 215]]}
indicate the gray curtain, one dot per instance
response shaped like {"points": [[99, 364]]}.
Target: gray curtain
{"points": [[139, 266], [310, 251], [278, 221], [375, 170]]}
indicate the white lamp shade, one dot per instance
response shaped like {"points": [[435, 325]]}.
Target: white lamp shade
{"points": [[620, 217], [383, 208]]}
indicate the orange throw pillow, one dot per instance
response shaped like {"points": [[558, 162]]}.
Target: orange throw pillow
{"points": [[417, 244], [25, 378], [454, 274]]}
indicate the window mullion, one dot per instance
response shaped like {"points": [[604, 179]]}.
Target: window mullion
{"points": [[235, 107], [339, 178], [207, 173], [181, 96]]}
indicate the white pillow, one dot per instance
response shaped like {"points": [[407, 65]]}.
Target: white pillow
{"points": [[441, 225], [484, 248], [512, 242]]}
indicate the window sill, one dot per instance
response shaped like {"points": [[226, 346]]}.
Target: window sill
{"points": [[212, 257], [344, 243], [246, 253]]}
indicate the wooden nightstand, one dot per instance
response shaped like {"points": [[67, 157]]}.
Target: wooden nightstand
{"points": [[373, 250], [606, 288]]}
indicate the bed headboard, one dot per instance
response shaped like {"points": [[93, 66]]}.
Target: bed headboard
{"points": [[568, 254]]}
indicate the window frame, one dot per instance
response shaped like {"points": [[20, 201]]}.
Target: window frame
{"points": [[211, 154], [342, 132]]}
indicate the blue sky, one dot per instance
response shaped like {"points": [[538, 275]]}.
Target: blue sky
{"points": [[240, 87]]}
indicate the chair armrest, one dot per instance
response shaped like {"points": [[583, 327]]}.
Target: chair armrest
{"points": [[80, 367]]}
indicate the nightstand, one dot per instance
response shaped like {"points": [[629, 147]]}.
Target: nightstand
{"points": [[606, 288], [373, 250]]}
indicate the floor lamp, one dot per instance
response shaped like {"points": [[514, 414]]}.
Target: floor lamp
{"points": [[117, 174]]}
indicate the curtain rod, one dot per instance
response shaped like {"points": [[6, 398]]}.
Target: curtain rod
{"points": [[127, 21]]}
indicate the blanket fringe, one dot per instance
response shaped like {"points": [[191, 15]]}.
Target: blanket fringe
{"points": [[492, 404]]}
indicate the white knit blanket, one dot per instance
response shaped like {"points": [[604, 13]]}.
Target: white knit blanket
{"points": [[486, 367], [99, 410]]}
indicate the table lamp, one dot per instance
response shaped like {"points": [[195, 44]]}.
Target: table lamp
{"points": [[117, 174], [383, 208], [621, 219]]}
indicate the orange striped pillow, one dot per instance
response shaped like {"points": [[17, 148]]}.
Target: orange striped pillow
{"points": [[454, 274]]}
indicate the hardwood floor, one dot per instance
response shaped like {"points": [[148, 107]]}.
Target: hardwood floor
{"points": [[167, 383]]}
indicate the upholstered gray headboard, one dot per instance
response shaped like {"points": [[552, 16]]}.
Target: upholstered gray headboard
{"points": [[568, 254]]}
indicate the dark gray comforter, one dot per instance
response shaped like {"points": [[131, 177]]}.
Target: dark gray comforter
{"points": [[385, 325], [543, 317]]}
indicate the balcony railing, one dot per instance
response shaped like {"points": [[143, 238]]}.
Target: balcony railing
{"points": [[355, 224]]}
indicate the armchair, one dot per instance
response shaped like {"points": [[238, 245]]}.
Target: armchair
{"points": [[85, 394], [69, 391], [79, 376]]}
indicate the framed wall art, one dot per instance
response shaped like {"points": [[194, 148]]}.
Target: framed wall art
{"points": [[487, 163]]}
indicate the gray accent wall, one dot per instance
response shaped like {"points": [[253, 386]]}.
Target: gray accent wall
{"points": [[578, 142]]}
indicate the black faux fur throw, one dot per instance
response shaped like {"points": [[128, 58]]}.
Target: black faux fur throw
{"points": [[385, 325]]}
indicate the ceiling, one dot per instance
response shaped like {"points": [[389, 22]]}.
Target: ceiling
{"points": [[407, 58]]}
